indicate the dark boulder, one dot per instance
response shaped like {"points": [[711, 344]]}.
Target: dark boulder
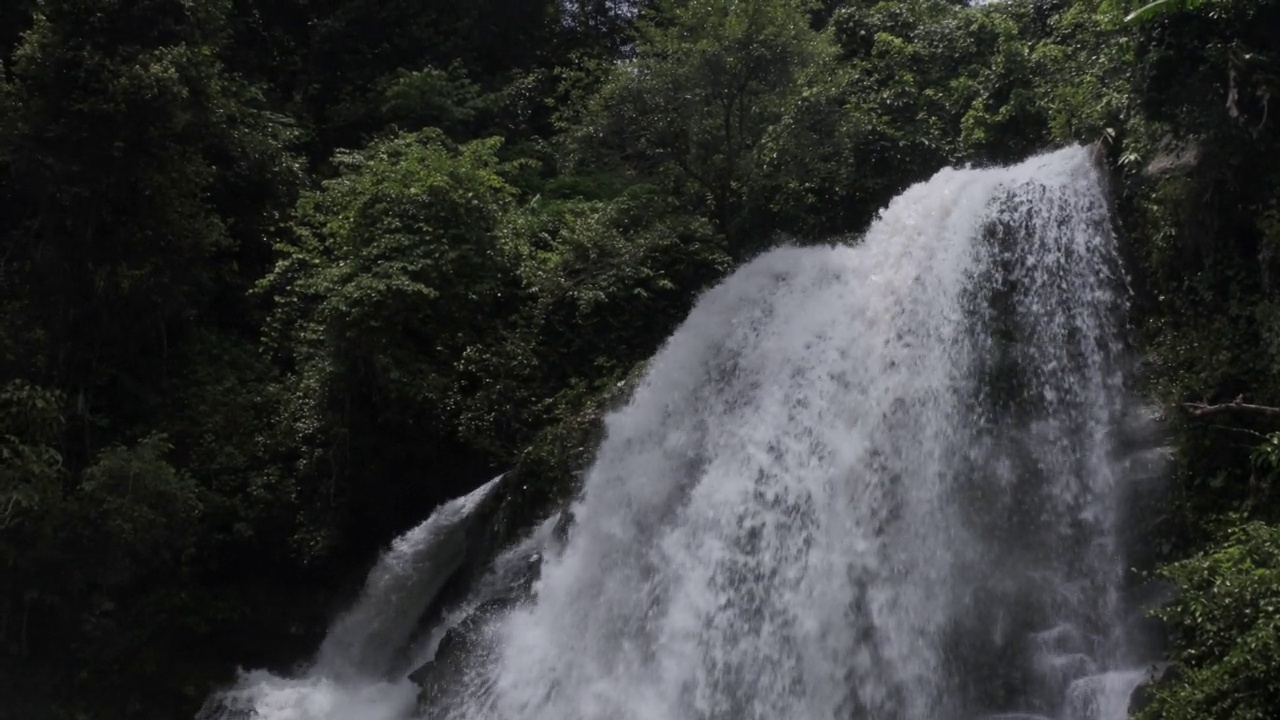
{"points": [[464, 649]]}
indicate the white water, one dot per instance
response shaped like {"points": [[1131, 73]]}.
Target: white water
{"points": [[857, 482], [877, 482]]}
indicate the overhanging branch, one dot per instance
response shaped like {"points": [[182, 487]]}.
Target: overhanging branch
{"points": [[1236, 406]]}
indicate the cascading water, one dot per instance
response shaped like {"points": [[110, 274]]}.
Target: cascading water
{"points": [[877, 482]]}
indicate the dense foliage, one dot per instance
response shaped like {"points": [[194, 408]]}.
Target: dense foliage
{"points": [[1226, 629], [278, 278], [1202, 216]]}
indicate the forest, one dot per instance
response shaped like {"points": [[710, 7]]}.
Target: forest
{"points": [[278, 277]]}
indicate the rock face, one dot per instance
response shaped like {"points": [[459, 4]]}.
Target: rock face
{"points": [[1175, 159]]}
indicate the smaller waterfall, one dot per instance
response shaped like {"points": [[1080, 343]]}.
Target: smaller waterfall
{"points": [[349, 678], [364, 641]]}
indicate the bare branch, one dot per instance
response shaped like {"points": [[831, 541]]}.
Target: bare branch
{"points": [[1236, 406]]}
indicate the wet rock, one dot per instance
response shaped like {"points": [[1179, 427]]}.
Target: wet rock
{"points": [[464, 648], [1176, 158], [469, 626], [222, 708]]}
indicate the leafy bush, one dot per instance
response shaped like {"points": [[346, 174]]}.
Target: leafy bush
{"points": [[397, 269], [1225, 628]]}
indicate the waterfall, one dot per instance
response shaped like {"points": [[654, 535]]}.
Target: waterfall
{"points": [[877, 482]]}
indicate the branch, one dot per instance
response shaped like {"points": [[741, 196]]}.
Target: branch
{"points": [[1235, 406]]}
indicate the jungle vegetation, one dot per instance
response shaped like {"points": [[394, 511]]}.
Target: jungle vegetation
{"points": [[279, 276]]}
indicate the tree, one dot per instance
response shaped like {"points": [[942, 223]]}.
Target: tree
{"points": [[140, 183], [334, 58], [15, 17], [395, 272], [1225, 626], [137, 179], [30, 465], [709, 104]]}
